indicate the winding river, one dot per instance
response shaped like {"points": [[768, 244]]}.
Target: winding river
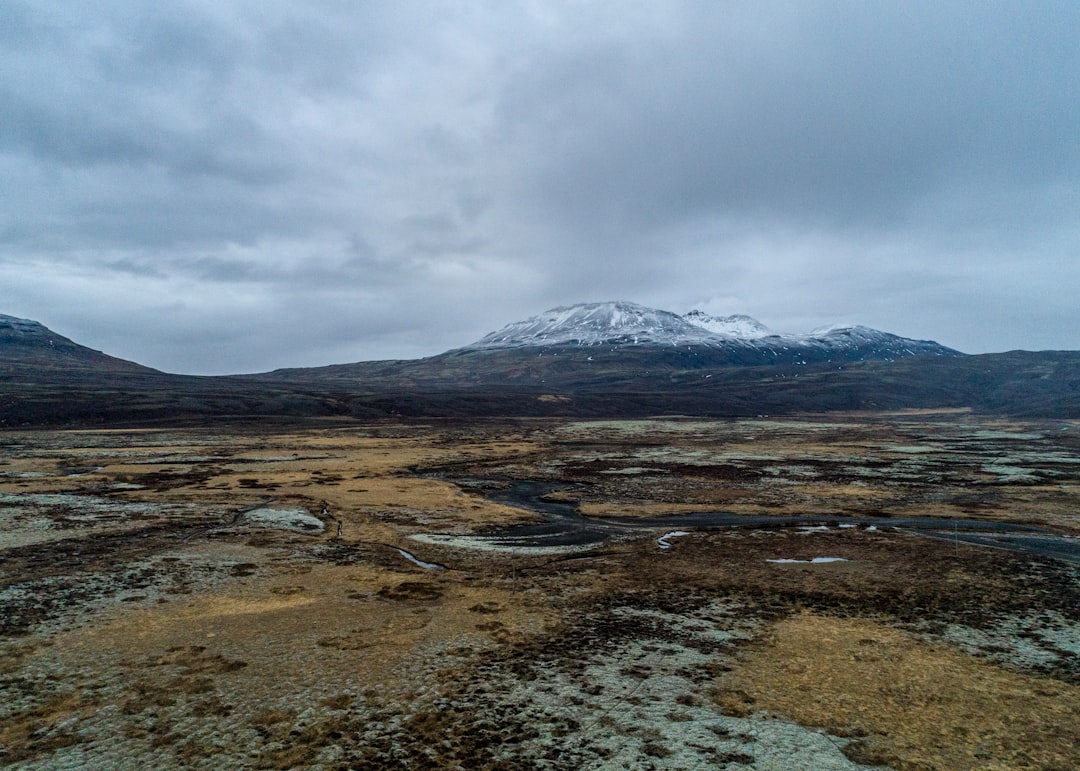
{"points": [[564, 526]]}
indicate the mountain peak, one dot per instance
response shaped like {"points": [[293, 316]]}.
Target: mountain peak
{"points": [[13, 325], [25, 343], [622, 324], [738, 325], [618, 322]]}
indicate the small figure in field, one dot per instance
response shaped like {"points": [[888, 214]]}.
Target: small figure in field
{"points": [[326, 513]]}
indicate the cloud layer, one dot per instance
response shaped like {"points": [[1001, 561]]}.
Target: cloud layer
{"points": [[209, 187]]}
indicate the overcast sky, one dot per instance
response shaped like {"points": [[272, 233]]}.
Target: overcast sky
{"points": [[221, 187]]}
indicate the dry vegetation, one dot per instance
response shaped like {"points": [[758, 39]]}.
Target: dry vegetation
{"points": [[912, 705], [183, 598]]}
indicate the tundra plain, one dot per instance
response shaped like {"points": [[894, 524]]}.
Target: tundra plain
{"points": [[334, 594]]}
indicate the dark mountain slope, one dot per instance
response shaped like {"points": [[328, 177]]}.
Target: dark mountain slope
{"points": [[1021, 383], [30, 349], [48, 380]]}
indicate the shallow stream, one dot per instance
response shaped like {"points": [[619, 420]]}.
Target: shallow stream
{"points": [[564, 525]]}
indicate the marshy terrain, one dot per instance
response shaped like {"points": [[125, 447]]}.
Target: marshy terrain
{"points": [[834, 591]]}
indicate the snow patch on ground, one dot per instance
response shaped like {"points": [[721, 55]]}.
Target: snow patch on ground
{"points": [[285, 519]]}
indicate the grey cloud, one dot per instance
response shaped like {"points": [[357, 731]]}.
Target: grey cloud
{"points": [[400, 177], [133, 267], [854, 117]]}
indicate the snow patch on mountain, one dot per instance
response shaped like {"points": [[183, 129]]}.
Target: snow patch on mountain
{"points": [[625, 324], [740, 325], [830, 328], [621, 323]]}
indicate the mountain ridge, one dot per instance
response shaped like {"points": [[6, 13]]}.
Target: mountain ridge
{"points": [[30, 347], [622, 324], [48, 380]]}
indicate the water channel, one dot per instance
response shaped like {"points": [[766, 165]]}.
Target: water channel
{"points": [[564, 525]]}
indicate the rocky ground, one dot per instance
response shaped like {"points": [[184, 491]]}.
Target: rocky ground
{"points": [[332, 596]]}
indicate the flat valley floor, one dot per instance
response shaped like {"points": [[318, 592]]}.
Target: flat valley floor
{"points": [[544, 594]]}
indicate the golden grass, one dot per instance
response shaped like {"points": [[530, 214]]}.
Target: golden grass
{"points": [[917, 706], [327, 631]]}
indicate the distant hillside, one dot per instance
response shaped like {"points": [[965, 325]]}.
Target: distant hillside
{"points": [[48, 380], [1020, 383], [28, 348]]}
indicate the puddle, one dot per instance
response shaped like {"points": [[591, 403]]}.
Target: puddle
{"points": [[414, 560], [505, 544], [663, 540], [814, 561]]}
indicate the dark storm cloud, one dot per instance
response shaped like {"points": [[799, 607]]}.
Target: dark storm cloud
{"points": [[236, 186]]}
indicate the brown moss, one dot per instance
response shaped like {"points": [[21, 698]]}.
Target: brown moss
{"points": [[420, 591], [271, 717]]}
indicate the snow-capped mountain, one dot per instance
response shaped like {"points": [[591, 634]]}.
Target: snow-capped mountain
{"points": [[615, 325], [621, 323]]}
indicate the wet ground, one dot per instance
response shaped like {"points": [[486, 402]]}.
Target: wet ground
{"points": [[564, 525], [497, 595]]}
